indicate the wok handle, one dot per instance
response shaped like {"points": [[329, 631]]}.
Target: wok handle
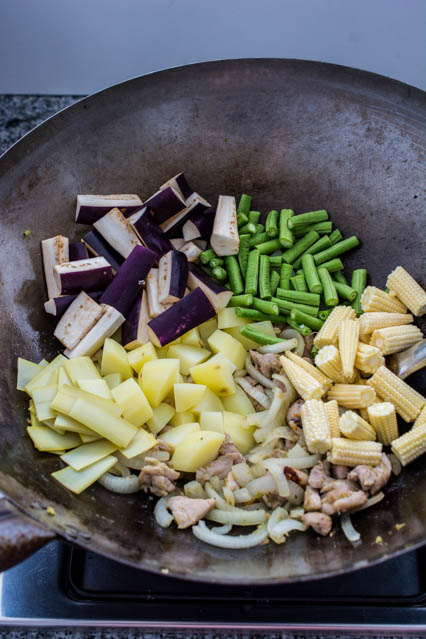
{"points": [[20, 536]]}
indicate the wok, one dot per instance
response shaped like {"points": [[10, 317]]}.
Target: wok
{"points": [[294, 134]]}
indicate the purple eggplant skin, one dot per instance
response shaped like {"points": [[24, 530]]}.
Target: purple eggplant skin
{"points": [[182, 183], [189, 312], [100, 247], [179, 274], [129, 329], [195, 205], [149, 233], [125, 286], [93, 279], [78, 251], [60, 304], [165, 204], [200, 274], [203, 222]]}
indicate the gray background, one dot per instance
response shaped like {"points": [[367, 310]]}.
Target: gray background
{"points": [[80, 46]]}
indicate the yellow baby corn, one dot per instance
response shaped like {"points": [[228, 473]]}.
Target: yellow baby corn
{"points": [[328, 360], [328, 332], [350, 452], [325, 382], [364, 411], [374, 299], [395, 338], [408, 290], [411, 445], [353, 426], [306, 385], [421, 419], [348, 331], [408, 402], [383, 417], [352, 395], [369, 322], [368, 358], [316, 428], [332, 408]]}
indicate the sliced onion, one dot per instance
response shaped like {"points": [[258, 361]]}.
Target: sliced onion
{"points": [[277, 515], [240, 372], [259, 396], [289, 333], [194, 489], [275, 407], [216, 483], [229, 496], [395, 463], [278, 474], [297, 513], [297, 451], [226, 541], [351, 534], [120, 469], [161, 514], [254, 419], [282, 528], [262, 485], [242, 473], [372, 501], [237, 517], [222, 530], [297, 493], [257, 375], [242, 496], [299, 462], [213, 494], [122, 485], [280, 347]]}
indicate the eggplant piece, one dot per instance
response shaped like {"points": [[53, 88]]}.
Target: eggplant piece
{"points": [[165, 203], [172, 277], [124, 288], [152, 290], [177, 243], [180, 184], [202, 244], [109, 322], [217, 294], [194, 204], [199, 225], [149, 233], [192, 251], [224, 238], [99, 247], [117, 231], [189, 312], [93, 274], [58, 305], [77, 251], [90, 208], [78, 319], [55, 250], [134, 331]]}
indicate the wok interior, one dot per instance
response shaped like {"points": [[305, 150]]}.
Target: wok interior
{"points": [[292, 134]]}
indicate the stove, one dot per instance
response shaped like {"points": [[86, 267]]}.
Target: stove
{"points": [[66, 586]]}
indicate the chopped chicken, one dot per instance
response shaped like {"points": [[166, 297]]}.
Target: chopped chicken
{"points": [[228, 448], [219, 467], [320, 522], [336, 487], [339, 472], [162, 445], [372, 478], [318, 475], [298, 476], [294, 418], [157, 477], [267, 364], [273, 500], [231, 482], [349, 502], [188, 511], [312, 499]]}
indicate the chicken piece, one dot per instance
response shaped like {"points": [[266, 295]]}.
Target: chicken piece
{"points": [[298, 476], [157, 477], [318, 475], [267, 364], [320, 522], [312, 499], [231, 482], [187, 511], [219, 467], [164, 446], [343, 504], [365, 475], [273, 500], [334, 488], [294, 418], [372, 478], [228, 448], [339, 472]]}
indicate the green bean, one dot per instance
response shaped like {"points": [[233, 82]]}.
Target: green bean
{"points": [[285, 235], [254, 216], [333, 265], [275, 261], [242, 219], [219, 273], [268, 247], [226, 285], [336, 249], [300, 328], [319, 245], [234, 274], [312, 299], [322, 228], [300, 272], [264, 306], [271, 225], [291, 254], [285, 275], [252, 272], [339, 277], [314, 350], [307, 320], [275, 280], [243, 253], [257, 239], [260, 228], [347, 292], [206, 256], [241, 300], [216, 261], [244, 204], [358, 282], [324, 314], [335, 236], [264, 278], [298, 283], [258, 336], [251, 313], [299, 221], [286, 307], [311, 275], [330, 294], [248, 228]]}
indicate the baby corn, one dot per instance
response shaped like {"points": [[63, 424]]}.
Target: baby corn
{"points": [[408, 290], [408, 402], [411, 445], [421, 419], [348, 332], [316, 428], [368, 358], [369, 322], [325, 382], [306, 385], [328, 360], [328, 332], [383, 417], [354, 427], [374, 299], [350, 452], [395, 338], [332, 408], [352, 395]]}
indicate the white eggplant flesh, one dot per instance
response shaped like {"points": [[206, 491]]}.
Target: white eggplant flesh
{"points": [[165, 203], [106, 326], [172, 277], [195, 203], [180, 184], [118, 232], [192, 251], [218, 295], [155, 308], [225, 239], [55, 250], [177, 243], [93, 274], [78, 319], [92, 207]]}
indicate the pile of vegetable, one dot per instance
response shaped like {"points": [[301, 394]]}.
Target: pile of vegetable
{"points": [[189, 349]]}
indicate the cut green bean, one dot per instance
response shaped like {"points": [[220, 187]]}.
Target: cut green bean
{"points": [[216, 261], [358, 282], [252, 273], [234, 274], [311, 275], [244, 203], [285, 234], [285, 275], [275, 261], [300, 272], [248, 228], [338, 276], [314, 350], [291, 254], [305, 219], [308, 320], [251, 313], [286, 307], [257, 239], [333, 265], [320, 245], [299, 284], [300, 328], [265, 306], [336, 249], [330, 294], [226, 285], [254, 216], [346, 292], [258, 336], [243, 253], [246, 299], [324, 313], [206, 256], [322, 228], [312, 299], [269, 247], [271, 226], [242, 219], [275, 280], [335, 236], [260, 228], [264, 278], [219, 273]]}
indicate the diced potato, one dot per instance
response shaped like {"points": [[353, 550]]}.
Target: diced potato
{"points": [[97, 387], [212, 421], [192, 338], [65, 423], [188, 356], [233, 425], [63, 378], [196, 450], [131, 398], [162, 414], [45, 439], [81, 368], [227, 318], [141, 443], [238, 403], [88, 454], [117, 430], [163, 353], [44, 377], [177, 434], [264, 326], [26, 372], [86, 439], [140, 355], [206, 329], [221, 342], [76, 393], [77, 481], [209, 403], [182, 418], [216, 374], [42, 398], [179, 379], [115, 359], [113, 380], [187, 396], [158, 377]]}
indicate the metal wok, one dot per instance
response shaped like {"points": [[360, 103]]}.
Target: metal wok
{"points": [[291, 133]]}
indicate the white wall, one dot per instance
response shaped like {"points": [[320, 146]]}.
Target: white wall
{"points": [[79, 46]]}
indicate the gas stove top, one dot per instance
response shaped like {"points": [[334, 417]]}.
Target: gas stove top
{"points": [[64, 586]]}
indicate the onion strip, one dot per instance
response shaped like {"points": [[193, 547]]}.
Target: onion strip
{"points": [[121, 485], [372, 501], [351, 534], [257, 375], [289, 333], [161, 514], [259, 396], [237, 517], [282, 528], [280, 347], [395, 463], [222, 530], [225, 541]]}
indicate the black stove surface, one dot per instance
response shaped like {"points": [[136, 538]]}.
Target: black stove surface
{"points": [[63, 584]]}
